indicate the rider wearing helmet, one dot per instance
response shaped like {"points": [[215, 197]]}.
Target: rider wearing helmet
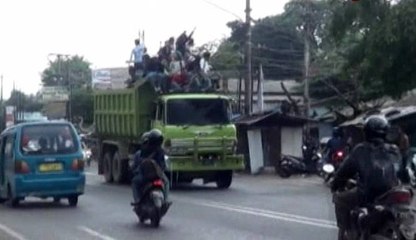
{"points": [[151, 148], [336, 143], [375, 162]]}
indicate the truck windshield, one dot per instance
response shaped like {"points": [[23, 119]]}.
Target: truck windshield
{"points": [[48, 139], [197, 111]]}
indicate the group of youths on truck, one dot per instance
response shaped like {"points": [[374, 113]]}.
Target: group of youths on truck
{"points": [[176, 68]]}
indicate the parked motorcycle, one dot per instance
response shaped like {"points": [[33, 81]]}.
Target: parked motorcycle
{"points": [[153, 205], [289, 165]]}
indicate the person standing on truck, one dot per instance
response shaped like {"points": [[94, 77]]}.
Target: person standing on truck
{"points": [[151, 149], [137, 53]]}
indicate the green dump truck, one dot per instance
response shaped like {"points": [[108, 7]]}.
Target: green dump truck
{"points": [[200, 140]]}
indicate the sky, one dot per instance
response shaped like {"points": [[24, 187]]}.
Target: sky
{"points": [[103, 31]]}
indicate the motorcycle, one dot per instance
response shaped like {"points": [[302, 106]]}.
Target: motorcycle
{"points": [[327, 170], [153, 205], [289, 165], [391, 216]]}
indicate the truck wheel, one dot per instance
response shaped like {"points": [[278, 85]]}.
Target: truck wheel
{"points": [[224, 179], [108, 175], [119, 168]]}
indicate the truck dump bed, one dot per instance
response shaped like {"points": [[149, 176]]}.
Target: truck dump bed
{"points": [[124, 113]]}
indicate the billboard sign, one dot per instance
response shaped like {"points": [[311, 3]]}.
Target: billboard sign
{"points": [[109, 78], [101, 79], [54, 94]]}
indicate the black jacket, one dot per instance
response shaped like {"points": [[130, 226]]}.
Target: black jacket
{"points": [[359, 163], [158, 155]]}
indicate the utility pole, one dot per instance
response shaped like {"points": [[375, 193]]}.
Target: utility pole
{"points": [[247, 83], [307, 58]]}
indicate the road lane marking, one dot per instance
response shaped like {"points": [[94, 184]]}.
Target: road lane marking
{"points": [[269, 214], [11, 232], [95, 233]]}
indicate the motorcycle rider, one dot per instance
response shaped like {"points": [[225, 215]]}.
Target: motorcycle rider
{"points": [[151, 148], [336, 143], [376, 164]]}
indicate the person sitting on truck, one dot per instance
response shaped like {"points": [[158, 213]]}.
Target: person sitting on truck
{"points": [[151, 148], [178, 78], [156, 74], [166, 51]]}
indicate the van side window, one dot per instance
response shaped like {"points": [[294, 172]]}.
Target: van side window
{"points": [[8, 148]]}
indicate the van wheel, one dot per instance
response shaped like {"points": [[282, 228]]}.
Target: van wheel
{"points": [[119, 168], [73, 201], [108, 175], [12, 201]]}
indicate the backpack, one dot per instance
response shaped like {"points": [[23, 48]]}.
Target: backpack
{"points": [[383, 174]]}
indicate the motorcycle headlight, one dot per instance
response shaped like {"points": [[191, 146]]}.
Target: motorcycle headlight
{"points": [[328, 168]]}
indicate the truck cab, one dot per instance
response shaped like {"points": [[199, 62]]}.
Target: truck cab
{"points": [[200, 139]]}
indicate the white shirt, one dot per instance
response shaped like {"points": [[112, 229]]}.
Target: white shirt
{"points": [[138, 53], [204, 64]]}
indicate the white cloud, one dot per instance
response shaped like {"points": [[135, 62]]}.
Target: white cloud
{"points": [[103, 31]]}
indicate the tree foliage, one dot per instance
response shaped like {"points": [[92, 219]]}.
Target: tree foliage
{"points": [[383, 60], [83, 104], [360, 51], [23, 102], [63, 72]]}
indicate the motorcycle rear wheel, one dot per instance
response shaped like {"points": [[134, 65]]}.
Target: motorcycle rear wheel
{"points": [[283, 172], [155, 221]]}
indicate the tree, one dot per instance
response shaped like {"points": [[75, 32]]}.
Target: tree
{"points": [[24, 102], [62, 72], [278, 41], [83, 105]]}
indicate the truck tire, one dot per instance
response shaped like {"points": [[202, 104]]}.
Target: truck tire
{"points": [[107, 167], [224, 179], [120, 168]]}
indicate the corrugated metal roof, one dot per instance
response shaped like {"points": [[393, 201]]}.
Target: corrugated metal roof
{"points": [[391, 113], [274, 116]]}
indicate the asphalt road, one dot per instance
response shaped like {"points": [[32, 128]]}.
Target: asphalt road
{"points": [[255, 207]]}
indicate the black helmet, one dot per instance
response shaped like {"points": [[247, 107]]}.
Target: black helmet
{"points": [[337, 132], [376, 127], [145, 138], [155, 137]]}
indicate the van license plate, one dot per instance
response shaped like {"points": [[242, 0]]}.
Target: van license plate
{"points": [[50, 167]]}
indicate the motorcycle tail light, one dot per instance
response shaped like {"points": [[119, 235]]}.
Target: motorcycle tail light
{"points": [[158, 183], [340, 154], [399, 197]]}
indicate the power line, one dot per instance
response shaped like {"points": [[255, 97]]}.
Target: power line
{"points": [[223, 9]]}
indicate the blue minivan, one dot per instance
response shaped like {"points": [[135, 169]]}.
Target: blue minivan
{"points": [[41, 159]]}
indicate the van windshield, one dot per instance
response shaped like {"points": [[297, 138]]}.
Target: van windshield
{"points": [[48, 140]]}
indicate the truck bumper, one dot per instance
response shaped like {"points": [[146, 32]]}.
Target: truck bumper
{"points": [[191, 163]]}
